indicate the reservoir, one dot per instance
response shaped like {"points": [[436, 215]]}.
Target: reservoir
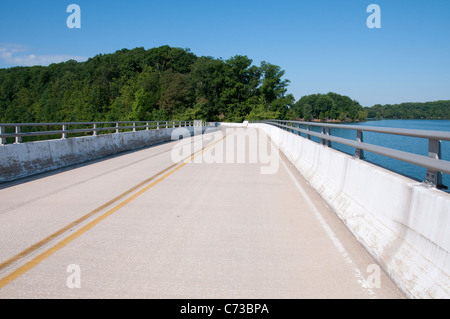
{"points": [[403, 143]]}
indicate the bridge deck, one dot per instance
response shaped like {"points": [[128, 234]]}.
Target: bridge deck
{"points": [[197, 230]]}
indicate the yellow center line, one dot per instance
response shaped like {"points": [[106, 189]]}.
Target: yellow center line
{"points": [[29, 265], [46, 240], [58, 233]]}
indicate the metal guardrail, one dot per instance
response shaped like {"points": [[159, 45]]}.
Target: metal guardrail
{"points": [[434, 163], [89, 127]]}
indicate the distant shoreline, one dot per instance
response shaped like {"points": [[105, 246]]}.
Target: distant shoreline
{"points": [[372, 119]]}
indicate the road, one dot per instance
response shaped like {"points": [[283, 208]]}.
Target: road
{"points": [[144, 224]]}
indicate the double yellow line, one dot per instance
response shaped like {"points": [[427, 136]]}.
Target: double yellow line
{"points": [[29, 265]]}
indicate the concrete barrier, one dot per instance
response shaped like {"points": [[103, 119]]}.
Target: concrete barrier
{"points": [[403, 224], [227, 124], [26, 159]]}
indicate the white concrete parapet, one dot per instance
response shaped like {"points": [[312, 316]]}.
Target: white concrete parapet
{"points": [[226, 124], [26, 159]]}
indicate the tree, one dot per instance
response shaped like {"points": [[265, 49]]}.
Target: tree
{"points": [[240, 83], [272, 87], [175, 92], [260, 112], [207, 81], [307, 112], [322, 106]]}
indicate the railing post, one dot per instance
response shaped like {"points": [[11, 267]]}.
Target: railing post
{"points": [[359, 153], [322, 140], [134, 126], [2, 139], [308, 128], [117, 128], [167, 124], [146, 126], [157, 125], [95, 130], [326, 131], [64, 134], [18, 138], [434, 151]]}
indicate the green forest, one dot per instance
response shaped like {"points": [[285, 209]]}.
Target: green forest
{"points": [[168, 83], [329, 107], [426, 110], [162, 83], [158, 84]]}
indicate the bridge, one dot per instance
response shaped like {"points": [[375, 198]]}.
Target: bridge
{"points": [[216, 210]]}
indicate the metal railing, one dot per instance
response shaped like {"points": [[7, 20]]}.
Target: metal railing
{"points": [[434, 163], [92, 128]]}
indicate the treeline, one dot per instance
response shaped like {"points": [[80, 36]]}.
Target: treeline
{"points": [[162, 83], [426, 110], [169, 83], [328, 107]]}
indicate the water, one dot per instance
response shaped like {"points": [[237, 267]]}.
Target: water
{"points": [[403, 143]]}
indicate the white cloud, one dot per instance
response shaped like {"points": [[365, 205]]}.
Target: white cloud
{"points": [[18, 55]]}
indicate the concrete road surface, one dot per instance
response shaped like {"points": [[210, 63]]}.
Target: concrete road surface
{"points": [[147, 225]]}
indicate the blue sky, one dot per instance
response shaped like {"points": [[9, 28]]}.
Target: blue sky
{"points": [[323, 45]]}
